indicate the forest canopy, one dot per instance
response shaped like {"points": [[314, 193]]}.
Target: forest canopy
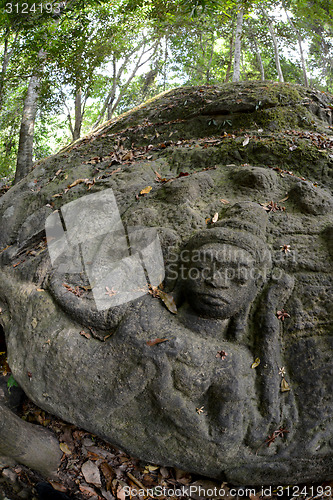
{"points": [[67, 66]]}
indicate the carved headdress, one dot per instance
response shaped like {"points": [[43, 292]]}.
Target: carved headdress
{"points": [[244, 226]]}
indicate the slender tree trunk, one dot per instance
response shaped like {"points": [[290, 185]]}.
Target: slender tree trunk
{"points": [[110, 109], [111, 94], [238, 36], [209, 64], [305, 76], [111, 103], [138, 65], [258, 56], [5, 61], [24, 161], [299, 39], [78, 114], [228, 72], [276, 52], [28, 444], [276, 48], [165, 63]]}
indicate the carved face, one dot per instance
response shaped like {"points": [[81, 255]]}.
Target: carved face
{"points": [[220, 280]]}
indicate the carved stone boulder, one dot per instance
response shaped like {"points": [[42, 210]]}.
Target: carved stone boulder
{"points": [[166, 282]]}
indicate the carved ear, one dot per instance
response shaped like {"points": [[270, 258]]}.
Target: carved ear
{"points": [[282, 284], [262, 275], [237, 328]]}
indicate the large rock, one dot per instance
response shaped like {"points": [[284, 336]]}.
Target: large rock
{"points": [[254, 281]]}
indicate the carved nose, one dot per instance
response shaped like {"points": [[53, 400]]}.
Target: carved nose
{"points": [[218, 280]]}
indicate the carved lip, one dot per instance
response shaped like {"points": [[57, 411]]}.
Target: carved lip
{"points": [[214, 296]]}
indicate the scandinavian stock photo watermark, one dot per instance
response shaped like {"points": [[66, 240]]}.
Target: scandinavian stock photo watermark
{"points": [[223, 492], [87, 236]]}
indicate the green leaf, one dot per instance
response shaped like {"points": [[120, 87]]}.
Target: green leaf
{"points": [[11, 382]]}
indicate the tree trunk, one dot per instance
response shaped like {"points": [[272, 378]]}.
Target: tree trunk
{"points": [[209, 64], [227, 75], [4, 68], [237, 56], [139, 64], [258, 56], [24, 162], [165, 63], [5, 61], [305, 76], [78, 114], [111, 95], [276, 49], [110, 109], [28, 444]]}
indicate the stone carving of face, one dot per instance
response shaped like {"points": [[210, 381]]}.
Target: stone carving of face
{"points": [[220, 280]]}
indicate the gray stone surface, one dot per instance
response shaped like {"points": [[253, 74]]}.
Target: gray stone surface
{"points": [[195, 401]]}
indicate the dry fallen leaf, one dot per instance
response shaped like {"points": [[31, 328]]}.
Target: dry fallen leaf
{"points": [[255, 363], [146, 190], [168, 301], [246, 141], [254, 497], [156, 341], [91, 473], [284, 385], [121, 493], [164, 472], [128, 156], [64, 448], [58, 486], [85, 334], [150, 468], [215, 218], [86, 490], [108, 473], [159, 178], [78, 181], [225, 202], [90, 183]]}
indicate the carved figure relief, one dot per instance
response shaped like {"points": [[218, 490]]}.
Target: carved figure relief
{"points": [[189, 323]]}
